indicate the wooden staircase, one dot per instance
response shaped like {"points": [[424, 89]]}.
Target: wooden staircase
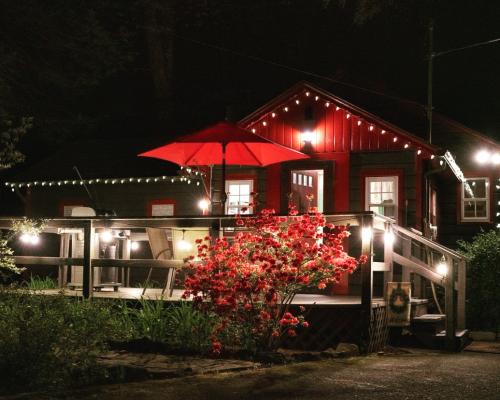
{"points": [[420, 256]]}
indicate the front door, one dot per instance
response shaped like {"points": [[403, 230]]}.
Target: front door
{"points": [[307, 184]]}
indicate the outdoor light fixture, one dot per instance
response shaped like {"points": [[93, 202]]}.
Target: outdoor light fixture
{"points": [[495, 158], [183, 244], [308, 136], [389, 238], [483, 156], [134, 246], [30, 238], [106, 236], [442, 267], [366, 233], [204, 204]]}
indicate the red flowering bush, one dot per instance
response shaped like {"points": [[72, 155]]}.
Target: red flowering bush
{"points": [[251, 281]]}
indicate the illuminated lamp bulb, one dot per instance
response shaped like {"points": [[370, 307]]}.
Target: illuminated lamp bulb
{"points": [[389, 238], [406, 145], [106, 236], [432, 156], [308, 94], [348, 116], [253, 130], [441, 162], [25, 238], [337, 108], [419, 152], [34, 239], [285, 109], [382, 131], [273, 115], [395, 139], [316, 98], [442, 267], [327, 104], [264, 123], [359, 123], [371, 128], [495, 158], [483, 156], [366, 234], [307, 136], [297, 101], [183, 244], [134, 246], [203, 204]]}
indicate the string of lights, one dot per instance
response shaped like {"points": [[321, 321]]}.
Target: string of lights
{"points": [[285, 107], [192, 177]]}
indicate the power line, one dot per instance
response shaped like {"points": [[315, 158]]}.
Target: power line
{"points": [[288, 67], [470, 46]]}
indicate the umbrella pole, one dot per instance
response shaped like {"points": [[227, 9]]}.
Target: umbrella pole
{"points": [[223, 196]]}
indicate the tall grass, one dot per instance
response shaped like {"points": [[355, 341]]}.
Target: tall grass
{"points": [[38, 283]]}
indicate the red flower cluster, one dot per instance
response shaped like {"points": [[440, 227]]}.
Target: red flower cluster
{"points": [[252, 279]]}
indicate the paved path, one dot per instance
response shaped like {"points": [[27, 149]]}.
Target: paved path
{"points": [[422, 376]]}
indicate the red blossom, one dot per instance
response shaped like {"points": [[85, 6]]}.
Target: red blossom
{"points": [[246, 281]]}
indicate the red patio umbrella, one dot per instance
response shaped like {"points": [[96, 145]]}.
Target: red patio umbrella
{"points": [[221, 144]]}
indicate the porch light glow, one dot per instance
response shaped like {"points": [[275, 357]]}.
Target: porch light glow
{"points": [[442, 267], [273, 115], [327, 104], [297, 101], [106, 236], [371, 128], [382, 131], [264, 123], [285, 109], [359, 123], [406, 145], [253, 130], [483, 156], [366, 234], [388, 238], [395, 139], [495, 158], [30, 238], [308, 94], [316, 98], [308, 136], [203, 204], [348, 116], [183, 244], [419, 152], [134, 246]]}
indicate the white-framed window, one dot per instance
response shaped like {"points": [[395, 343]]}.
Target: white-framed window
{"points": [[310, 181], [475, 200], [382, 195], [238, 196], [294, 178]]}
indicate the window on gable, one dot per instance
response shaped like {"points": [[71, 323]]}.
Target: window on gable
{"points": [[239, 196], [382, 195], [475, 200]]}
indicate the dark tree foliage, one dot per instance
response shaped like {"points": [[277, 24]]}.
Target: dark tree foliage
{"points": [[483, 280]]}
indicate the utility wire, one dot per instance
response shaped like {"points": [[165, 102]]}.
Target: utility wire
{"points": [[470, 46], [287, 67]]}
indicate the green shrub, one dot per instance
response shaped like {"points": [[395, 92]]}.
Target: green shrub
{"points": [[483, 280], [39, 283], [50, 341], [188, 329]]}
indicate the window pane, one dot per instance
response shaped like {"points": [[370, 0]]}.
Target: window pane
{"points": [[469, 209], [375, 186], [310, 181], [233, 200], [389, 211], [294, 178], [232, 210], [234, 189], [481, 209], [300, 179], [387, 186], [244, 200], [387, 197], [375, 198], [479, 188], [244, 189], [379, 210]]}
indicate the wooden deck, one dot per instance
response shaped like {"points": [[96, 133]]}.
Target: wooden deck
{"points": [[318, 300]]}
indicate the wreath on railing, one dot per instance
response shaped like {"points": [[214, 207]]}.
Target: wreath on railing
{"points": [[398, 300]]}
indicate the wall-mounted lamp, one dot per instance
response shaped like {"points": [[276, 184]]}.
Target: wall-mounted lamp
{"points": [[134, 246], [388, 238], [30, 238], [203, 204], [442, 267], [308, 137], [106, 236], [183, 244], [366, 234]]}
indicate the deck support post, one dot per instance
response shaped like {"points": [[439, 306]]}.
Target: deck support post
{"points": [[366, 276], [88, 250], [449, 296], [461, 288]]}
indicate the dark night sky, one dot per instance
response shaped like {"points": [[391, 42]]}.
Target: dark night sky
{"points": [[82, 69]]}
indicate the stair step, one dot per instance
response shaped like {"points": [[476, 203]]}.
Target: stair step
{"points": [[430, 318]]}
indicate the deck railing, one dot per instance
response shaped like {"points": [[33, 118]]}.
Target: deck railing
{"points": [[412, 251]]}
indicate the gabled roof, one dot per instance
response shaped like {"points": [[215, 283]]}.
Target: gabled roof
{"points": [[404, 117]]}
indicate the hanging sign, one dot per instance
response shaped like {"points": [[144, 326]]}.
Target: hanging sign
{"points": [[398, 300]]}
